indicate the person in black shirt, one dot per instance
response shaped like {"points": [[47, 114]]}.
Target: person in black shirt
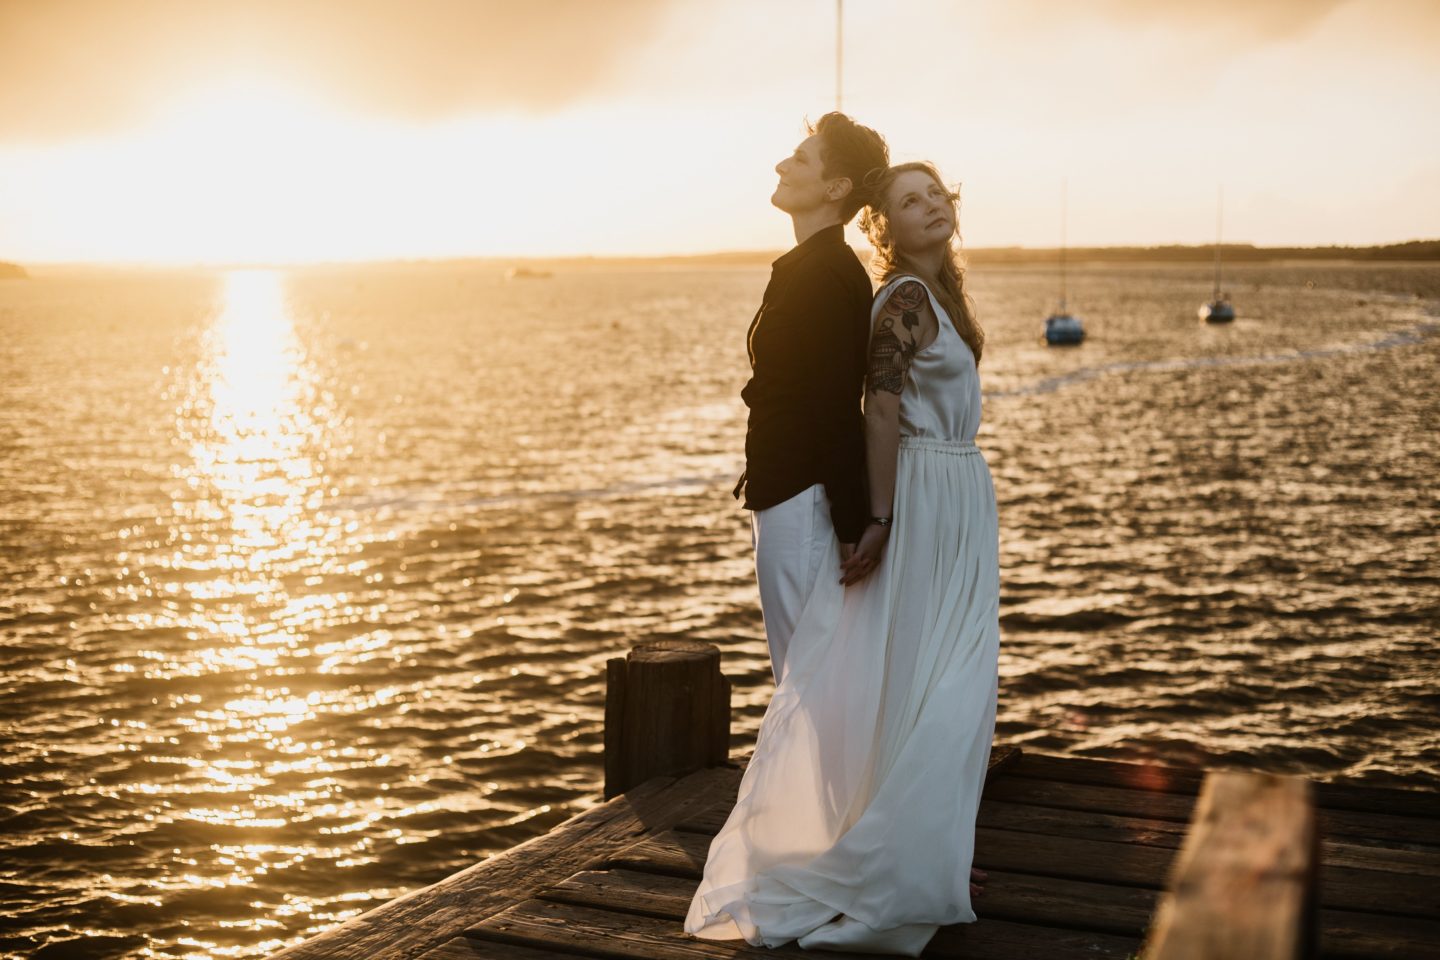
{"points": [[804, 474]]}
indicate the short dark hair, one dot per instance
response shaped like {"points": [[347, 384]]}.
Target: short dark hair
{"points": [[849, 149]]}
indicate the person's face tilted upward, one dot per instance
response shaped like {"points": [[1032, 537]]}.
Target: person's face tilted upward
{"points": [[920, 211], [803, 186]]}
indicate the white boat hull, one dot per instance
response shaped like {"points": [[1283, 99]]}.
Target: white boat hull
{"points": [[1217, 311]]}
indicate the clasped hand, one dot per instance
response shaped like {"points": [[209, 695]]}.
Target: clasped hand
{"points": [[859, 560]]}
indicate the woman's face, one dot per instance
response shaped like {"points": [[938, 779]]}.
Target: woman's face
{"points": [[920, 212]]}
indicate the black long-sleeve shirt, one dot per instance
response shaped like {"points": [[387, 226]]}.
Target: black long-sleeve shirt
{"points": [[807, 357]]}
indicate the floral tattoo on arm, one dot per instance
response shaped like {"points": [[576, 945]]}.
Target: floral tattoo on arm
{"points": [[891, 351]]}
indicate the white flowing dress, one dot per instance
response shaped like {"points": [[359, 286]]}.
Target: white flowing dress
{"points": [[854, 825]]}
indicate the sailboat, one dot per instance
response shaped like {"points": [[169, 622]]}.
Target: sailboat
{"points": [[1219, 309], [1062, 328]]}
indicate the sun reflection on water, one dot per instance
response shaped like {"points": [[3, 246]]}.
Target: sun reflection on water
{"points": [[256, 453], [246, 521]]}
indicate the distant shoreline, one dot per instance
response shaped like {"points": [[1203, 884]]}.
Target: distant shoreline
{"points": [[1414, 251]]}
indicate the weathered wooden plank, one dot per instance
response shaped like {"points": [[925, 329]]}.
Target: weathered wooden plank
{"points": [[467, 948], [1244, 884], [547, 925], [1119, 801], [1150, 777], [1413, 863], [676, 852], [1367, 799], [1081, 824], [656, 894], [1090, 825], [1028, 818], [544, 924], [1093, 860], [1415, 832], [1072, 904], [1050, 903], [1336, 795], [424, 919], [1345, 935], [708, 821], [1375, 891], [992, 939]]}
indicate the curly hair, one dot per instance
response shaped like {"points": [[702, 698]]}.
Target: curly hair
{"points": [[849, 149], [889, 260]]}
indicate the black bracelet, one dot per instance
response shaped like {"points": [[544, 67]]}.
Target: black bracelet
{"points": [[881, 521]]}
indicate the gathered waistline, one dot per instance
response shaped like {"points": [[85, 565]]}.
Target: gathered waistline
{"points": [[957, 447]]}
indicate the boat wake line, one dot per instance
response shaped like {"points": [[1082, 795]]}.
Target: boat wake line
{"points": [[1409, 336]]}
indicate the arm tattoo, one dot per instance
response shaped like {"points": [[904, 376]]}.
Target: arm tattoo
{"points": [[890, 354], [909, 296]]}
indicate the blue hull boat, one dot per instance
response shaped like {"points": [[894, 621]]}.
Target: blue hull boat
{"points": [[1063, 330]]}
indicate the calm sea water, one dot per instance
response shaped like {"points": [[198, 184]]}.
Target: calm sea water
{"points": [[307, 579]]}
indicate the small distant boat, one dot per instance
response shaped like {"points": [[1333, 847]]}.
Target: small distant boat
{"points": [[527, 273], [1063, 328], [1219, 309]]}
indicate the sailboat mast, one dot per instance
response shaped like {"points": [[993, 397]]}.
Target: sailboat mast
{"points": [[839, 50], [1219, 213], [1064, 198]]}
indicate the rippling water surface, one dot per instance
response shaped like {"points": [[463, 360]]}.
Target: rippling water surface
{"points": [[307, 578]]}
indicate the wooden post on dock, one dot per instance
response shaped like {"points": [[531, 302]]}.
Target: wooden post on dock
{"points": [[667, 711], [1244, 883]]}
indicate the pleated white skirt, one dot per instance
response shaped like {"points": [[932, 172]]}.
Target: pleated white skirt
{"points": [[854, 826]]}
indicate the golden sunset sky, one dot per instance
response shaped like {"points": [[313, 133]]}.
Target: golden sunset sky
{"points": [[183, 131]]}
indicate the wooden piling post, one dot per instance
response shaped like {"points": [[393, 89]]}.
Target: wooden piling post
{"points": [[667, 711], [1244, 882]]}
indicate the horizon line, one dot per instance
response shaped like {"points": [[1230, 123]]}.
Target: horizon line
{"points": [[864, 251]]}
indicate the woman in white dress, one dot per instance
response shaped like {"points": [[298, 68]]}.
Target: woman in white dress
{"points": [[854, 826]]}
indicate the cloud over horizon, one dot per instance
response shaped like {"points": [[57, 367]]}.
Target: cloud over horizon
{"points": [[73, 68]]}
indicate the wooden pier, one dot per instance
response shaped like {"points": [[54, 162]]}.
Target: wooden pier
{"points": [[1086, 858]]}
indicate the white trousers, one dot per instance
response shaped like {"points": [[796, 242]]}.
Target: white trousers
{"points": [[794, 544]]}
